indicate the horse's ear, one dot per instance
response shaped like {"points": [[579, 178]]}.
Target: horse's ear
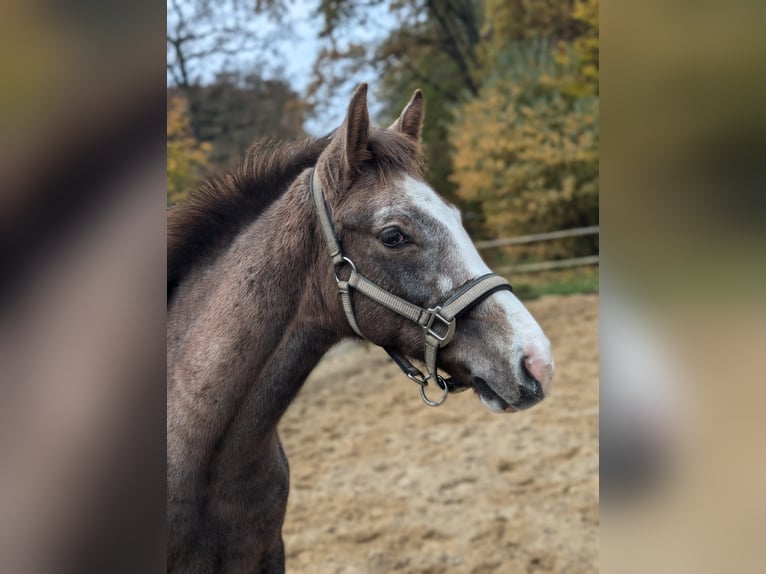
{"points": [[356, 133], [410, 121]]}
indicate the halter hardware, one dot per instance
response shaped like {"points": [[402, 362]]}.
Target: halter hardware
{"points": [[449, 323], [344, 261], [441, 317], [442, 384]]}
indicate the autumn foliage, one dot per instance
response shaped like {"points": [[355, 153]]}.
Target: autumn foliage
{"points": [[526, 151], [187, 158], [525, 148]]}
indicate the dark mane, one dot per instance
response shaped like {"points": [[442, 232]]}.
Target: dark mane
{"points": [[213, 215]]}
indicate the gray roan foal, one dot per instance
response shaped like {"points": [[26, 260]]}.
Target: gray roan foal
{"points": [[253, 305]]}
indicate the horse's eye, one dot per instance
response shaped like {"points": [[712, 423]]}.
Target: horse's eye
{"points": [[393, 237]]}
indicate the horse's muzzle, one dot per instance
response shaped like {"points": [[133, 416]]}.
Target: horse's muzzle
{"points": [[530, 393], [538, 364]]}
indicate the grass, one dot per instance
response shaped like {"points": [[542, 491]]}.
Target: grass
{"points": [[564, 282]]}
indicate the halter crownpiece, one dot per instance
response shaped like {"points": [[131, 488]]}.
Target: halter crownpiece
{"points": [[438, 323]]}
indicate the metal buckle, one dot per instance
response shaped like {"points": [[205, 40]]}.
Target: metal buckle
{"points": [[345, 260], [450, 324]]}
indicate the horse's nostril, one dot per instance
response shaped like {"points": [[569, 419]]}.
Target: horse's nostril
{"points": [[530, 393], [540, 367]]}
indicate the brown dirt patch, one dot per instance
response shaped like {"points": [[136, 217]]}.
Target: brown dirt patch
{"points": [[382, 483]]}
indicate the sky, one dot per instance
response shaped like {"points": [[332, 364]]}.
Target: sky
{"points": [[293, 48]]}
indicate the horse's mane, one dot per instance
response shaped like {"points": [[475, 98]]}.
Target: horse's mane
{"points": [[213, 215]]}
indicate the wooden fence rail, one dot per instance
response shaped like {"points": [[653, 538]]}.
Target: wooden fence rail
{"points": [[538, 237]]}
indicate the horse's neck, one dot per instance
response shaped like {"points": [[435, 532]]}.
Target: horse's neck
{"points": [[243, 336]]}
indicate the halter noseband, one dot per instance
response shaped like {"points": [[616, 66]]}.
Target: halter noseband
{"points": [[438, 322]]}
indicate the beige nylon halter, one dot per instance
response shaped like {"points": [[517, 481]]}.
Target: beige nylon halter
{"points": [[441, 317]]}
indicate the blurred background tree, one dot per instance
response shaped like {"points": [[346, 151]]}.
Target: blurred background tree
{"points": [[526, 149], [227, 104], [511, 87], [187, 159], [235, 108]]}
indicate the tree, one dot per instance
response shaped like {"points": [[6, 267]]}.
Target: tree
{"points": [[584, 48], [420, 27], [430, 44], [187, 157], [237, 108], [526, 149], [217, 109], [203, 36]]}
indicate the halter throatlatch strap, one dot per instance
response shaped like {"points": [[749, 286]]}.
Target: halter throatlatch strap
{"points": [[438, 322]]}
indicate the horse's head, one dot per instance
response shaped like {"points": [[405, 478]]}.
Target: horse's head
{"points": [[400, 234]]}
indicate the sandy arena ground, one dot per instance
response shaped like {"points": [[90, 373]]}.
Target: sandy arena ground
{"points": [[382, 483]]}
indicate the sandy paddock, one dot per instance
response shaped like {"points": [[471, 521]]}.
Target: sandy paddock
{"points": [[382, 483]]}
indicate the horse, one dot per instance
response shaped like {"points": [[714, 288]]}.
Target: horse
{"points": [[303, 245]]}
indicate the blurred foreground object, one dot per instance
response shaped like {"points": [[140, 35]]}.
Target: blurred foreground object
{"points": [[81, 316], [644, 414], [684, 134]]}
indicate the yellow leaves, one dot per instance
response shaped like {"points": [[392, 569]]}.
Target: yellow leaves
{"points": [[526, 147], [586, 45], [529, 154], [187, 158], [587, 11], [568, 188]]}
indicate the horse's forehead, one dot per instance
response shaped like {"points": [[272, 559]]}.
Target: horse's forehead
{"points": [[411, 195]]}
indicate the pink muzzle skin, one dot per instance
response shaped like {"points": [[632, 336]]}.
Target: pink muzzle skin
{"points": [[538, 361]]}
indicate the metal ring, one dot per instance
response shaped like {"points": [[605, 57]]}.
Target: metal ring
{"points": [[345, 260], [443, 386]]}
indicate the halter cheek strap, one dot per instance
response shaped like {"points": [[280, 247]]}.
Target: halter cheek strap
{"points": [[438, 322]]}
